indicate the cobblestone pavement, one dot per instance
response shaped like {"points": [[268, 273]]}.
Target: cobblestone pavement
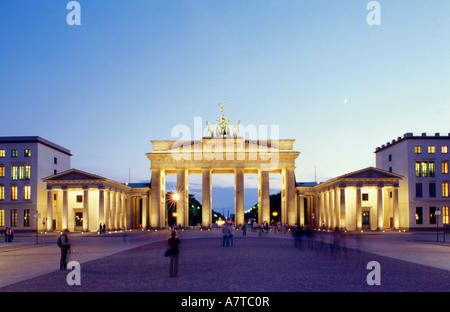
{"points": [[253, 264]]}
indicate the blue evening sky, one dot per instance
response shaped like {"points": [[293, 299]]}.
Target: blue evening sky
{"points": [[135, 69]]}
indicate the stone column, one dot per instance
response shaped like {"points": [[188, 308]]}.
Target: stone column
{"points": [[155, 207], [206, 199], [129, 214], [49, 210], [113, 210], [395, 209], [239, 196], [337, 220], [290, 197], [107, 209], [101, 206], [358, 208], [264, 201], [301, 209], [145, 213], [380, 211], [181, 203], [86, 209], [342, 216], [65, 209]]}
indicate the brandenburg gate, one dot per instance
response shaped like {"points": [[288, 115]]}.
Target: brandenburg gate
{"points": [[222, 152], [222, 155]]}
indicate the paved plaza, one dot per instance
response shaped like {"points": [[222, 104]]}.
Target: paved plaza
{"points": [[135, 262]]}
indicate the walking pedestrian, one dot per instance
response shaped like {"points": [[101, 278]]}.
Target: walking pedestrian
{"points": [[231, 235], [173, 244], [64, 244], [226, 235]]}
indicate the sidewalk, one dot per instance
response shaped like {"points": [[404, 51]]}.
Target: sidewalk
{"points": [[23, 259]]}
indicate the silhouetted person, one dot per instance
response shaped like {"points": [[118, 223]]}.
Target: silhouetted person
{"points": [[173, 244], [64, 244]]}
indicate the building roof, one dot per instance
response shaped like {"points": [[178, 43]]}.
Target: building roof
{"points": [[35, 139], [75, 176], [410, 135]]}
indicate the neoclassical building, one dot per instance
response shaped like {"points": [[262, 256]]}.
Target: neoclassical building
{"points": [[81, 201], [365, 199]]}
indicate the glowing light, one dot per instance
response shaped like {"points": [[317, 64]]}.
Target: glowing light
{"points": [[175, 196]]}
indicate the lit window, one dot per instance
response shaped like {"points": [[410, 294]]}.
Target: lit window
{"points": [[27, 172], [13, 217], [2, 171], [27, 192], [432, 215], [26, 217], [431, 168], [445, 215], [14, 153], [444, 149], [21, 173], [2, 217], [431, 149], [419, 216], [418, 171], [418, 149], [445, 167], [14, 192], [14, 173], [424, 169], [2, 192], [2, 153], [445, 189], [27, 153]]}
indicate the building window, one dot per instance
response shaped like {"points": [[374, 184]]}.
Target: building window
{"points": [[445, 215], [445, 167], [419, 192], [431, 149], [390, 169], [14, 153], [431, 168], [444, 149], [432, 215], [2, 171], [13, 192], [445, 189], [14, 173], [21, 172], [417, 149], [390, 157], [424, 169], [79, 198], [2, 153], [2, 192], [432, 189], [365, 196], [27, 153], [27, 172], [418, 169], [419, 217], [13, 217], [2, 217], [26, 217], [27, 192], [55, 160]]}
